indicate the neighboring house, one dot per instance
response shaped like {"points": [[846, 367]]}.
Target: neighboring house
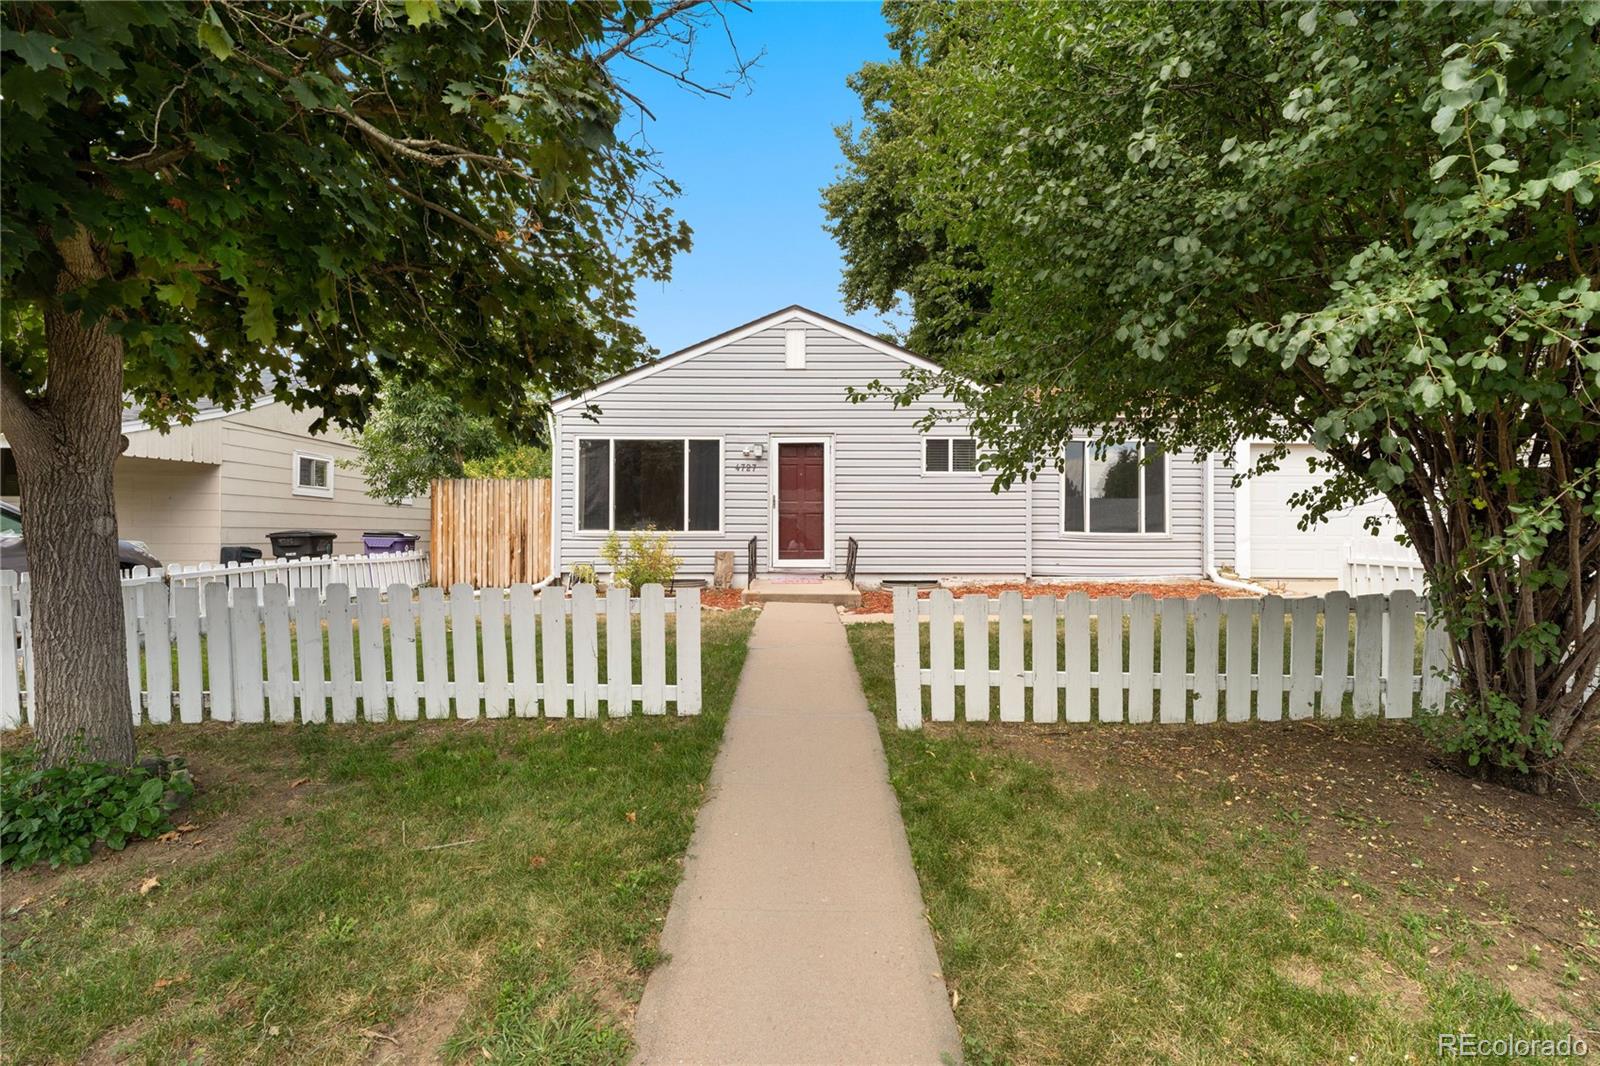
{"points": [[232, 477], [752, 434]]}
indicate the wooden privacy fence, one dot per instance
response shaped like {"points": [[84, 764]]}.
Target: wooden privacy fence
{"points": [[1171, 660], [490, 532], [522, 651]]}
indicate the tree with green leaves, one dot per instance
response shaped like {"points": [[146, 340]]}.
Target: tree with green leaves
{"points": [[200, 196], [417, 433], [1373, 227]]}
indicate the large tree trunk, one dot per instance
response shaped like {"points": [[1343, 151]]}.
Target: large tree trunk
{"points": [[66, 444]]}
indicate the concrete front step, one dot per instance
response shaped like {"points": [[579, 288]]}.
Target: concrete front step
{"points": [[832, 590]]}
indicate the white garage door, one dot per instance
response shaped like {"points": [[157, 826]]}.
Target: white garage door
{"points": [[1279, 549]]}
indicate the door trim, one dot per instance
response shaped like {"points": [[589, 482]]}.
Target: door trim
{"points": [[826, 562]]}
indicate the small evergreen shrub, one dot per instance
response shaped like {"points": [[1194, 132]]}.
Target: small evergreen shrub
{"points": [[646, 559], [57, 815]]}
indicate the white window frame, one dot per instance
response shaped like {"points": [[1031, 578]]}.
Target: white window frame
{"points": [[1142, 533], [611, 495], [319, 491], [951, 455]]}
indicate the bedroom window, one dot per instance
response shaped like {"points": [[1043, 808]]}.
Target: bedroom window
{"points": [[946, 455], [313, 475], [1114, 488], [673, 484]]}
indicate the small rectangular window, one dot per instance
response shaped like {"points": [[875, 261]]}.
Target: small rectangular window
{"points": [[594, 484], [937, 450], [705, 490], [313, 475], [945, 455], [963, 455], [1072, 488]]}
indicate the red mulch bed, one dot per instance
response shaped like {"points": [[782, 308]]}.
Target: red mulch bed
{"points": [[722, 599], [881, 601]]}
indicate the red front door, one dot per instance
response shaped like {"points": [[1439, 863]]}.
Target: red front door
{"points": [[802, 502]]}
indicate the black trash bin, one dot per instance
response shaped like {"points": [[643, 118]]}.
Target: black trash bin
{"points": [[240, 553], [301, 543]]}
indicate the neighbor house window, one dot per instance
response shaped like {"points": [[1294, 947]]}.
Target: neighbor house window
{"points": [[1113, 488], [313, 475], [670, 483], [945, 455]]}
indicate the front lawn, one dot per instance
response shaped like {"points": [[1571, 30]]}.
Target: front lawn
{"points": [[485, 891], [1298, 892]]}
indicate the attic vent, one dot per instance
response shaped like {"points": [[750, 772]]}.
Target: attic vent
{"points": [[794, 349]]}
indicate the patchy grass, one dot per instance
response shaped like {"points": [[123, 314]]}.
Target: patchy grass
{"points": [[1297, 892], [464, 891]]}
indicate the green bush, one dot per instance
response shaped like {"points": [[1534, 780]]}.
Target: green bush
{"points": [[57, 815], [647, 559], [583, 574]]}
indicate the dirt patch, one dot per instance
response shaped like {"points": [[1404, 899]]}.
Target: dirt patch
{"points": [[1517, 876], [612, 982], [419, 1037], [722, 599], [881, 601]]}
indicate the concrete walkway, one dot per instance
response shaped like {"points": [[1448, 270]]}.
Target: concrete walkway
{"points": [[797, 935]]}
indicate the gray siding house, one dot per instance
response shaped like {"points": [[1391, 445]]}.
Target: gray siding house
{"points": [[752, 434]]}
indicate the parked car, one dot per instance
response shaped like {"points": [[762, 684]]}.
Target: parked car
{"points": [[14, 551]]}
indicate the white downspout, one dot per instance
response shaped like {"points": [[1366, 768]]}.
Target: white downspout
{"points": [[1208, 547], [555, 496]]}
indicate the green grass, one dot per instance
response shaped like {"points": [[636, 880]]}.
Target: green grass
{"points": [[314, 925], [1128, 918]]}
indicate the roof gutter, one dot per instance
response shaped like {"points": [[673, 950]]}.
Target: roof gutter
{"points": [[1208, 536]]}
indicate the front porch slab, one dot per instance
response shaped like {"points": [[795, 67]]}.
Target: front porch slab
{"points": [[834, 590]]}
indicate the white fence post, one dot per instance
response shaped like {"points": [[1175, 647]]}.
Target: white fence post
{"points": [[908, 659], [688, 638]]}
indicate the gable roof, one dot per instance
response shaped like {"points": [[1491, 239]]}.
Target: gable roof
{"points": [[792, 313]]}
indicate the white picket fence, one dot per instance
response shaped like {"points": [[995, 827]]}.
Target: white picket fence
{"points": [[1364, 575], [354, 571], [402, 652], [1227, 658]]}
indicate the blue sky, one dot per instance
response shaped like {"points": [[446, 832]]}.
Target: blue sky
{"points": [[752, 168]]}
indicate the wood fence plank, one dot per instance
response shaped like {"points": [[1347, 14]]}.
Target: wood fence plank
{"points": [[1401, 672], [1013, 705], [130, 643], [524, 650], [280, 656], [374, 670], [308, 649], [1075, 673], [1174, 659], [1303, 656], [653, 648], [585, 653], [490, 532], [435, 653], [975, 651], [1207, 610], [341, 652], [688, 647], [245, 623], [1269, 661], [907, 660], [1108, 617], [1369, 654], [496, 693], [1238, 619], [941, 651], [1435, 666], [402, 616], [25, 635], [219, 650], [1335, 653], [619, 654], [10, 679], [186, 633], [1141, 657], [553, 637], [464, 648], [1046, 677], [158, 652]]}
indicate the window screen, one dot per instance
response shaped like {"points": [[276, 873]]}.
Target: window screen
{"points": [[1155, 490], [963, 454], [594, 480], [647, 484], [1114, 489], [1072, 488], [312, 473], [938, 455], [705, 490], [1110, 490]]}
